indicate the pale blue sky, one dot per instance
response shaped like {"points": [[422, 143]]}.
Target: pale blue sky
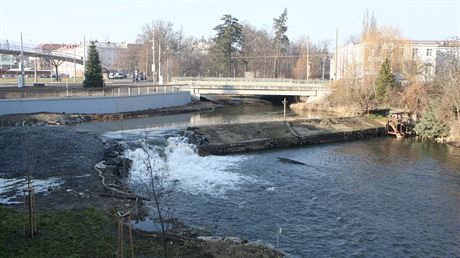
{"points": [[66, 21]]}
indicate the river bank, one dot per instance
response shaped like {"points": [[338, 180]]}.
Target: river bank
{"points": [[41, 119], [243, 137]]}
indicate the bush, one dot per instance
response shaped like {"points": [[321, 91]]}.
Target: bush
{"points": [[430, 127]]}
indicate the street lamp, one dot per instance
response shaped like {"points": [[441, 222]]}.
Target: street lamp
{"points": [[324, 64]]}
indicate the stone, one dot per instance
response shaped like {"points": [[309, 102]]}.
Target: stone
{"points": [[235, 240], [210, 238]]}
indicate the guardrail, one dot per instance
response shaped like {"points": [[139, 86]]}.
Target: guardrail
{"points": [[77, 92]]}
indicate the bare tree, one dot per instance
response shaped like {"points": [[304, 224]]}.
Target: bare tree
{"points": [[160, 191]]}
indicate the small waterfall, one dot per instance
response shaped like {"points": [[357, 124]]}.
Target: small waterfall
{"points": [[176, 162]]}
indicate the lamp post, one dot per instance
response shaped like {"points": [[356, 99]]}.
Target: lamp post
{"points": [[324, 64], [21, 79], [154, 69]]}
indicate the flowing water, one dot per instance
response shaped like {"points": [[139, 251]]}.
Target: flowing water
{"points": [[374, 198], [379, 197]]}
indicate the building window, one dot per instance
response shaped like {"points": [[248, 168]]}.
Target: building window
{"points": [[415, 52], [429, 52]]}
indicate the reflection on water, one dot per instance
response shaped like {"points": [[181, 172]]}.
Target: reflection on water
{"points": [[246, 112]]}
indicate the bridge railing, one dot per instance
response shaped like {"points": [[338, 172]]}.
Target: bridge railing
{"points": [[252, 84], [249, 80], [39, 51]]}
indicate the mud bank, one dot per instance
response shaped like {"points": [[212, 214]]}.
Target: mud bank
{"points": [[41, 119], [235, 138]]}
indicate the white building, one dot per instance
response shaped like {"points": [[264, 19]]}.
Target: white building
{"points": [[114, 57], [360, 59]]}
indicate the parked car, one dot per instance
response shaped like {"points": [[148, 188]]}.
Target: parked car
{"points": [[117, 75]]}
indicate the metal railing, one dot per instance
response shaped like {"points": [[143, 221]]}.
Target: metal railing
{"points": [[252, 84], [79, 92], [248, 80], [16, 47]]}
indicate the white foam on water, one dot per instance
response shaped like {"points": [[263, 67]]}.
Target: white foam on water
{"points": [[193, 174], [15, 186], [136, 133]]}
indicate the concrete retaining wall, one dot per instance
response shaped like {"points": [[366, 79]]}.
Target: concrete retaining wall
{"points": [[94, 105]]}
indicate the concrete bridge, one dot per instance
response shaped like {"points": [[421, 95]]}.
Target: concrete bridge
{"points": [[313, 89]]}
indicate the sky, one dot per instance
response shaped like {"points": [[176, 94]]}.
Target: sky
{"points": [[68, 21]]}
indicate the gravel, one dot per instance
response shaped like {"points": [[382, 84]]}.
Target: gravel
{"points": [[47, 151]]}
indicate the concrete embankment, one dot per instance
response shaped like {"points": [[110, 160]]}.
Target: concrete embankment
{"points": [[234, 138]]}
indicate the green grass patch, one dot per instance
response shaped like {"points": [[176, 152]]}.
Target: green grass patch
{"points": [[92, 233], [86, 233]]}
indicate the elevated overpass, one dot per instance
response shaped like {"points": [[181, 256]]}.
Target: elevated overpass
{"points": [[15, 49], [313, 89]]}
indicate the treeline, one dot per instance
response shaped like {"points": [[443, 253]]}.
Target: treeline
{"points": [[236, 50]]}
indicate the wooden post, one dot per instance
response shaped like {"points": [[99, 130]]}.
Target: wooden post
{"points": [[120, 241], [29, 205]]}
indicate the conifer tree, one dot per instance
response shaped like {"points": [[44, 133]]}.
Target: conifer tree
{"points": [[429, 126], [385, 81], [281, 41], [228, 40], [93, 68]]}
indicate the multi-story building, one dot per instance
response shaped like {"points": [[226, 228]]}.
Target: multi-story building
{"points": [[364, 59], [114, 57]]}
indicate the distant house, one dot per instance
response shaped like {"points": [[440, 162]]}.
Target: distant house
{"points": [[114, 57], [360, 60]]}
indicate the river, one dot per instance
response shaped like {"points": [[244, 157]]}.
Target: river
{"points": [[375, 198]]}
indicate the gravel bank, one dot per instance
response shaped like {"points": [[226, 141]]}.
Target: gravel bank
{"points": [[47, 151]]}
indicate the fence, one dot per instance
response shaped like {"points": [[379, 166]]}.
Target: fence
{"points": [[73, 92]]}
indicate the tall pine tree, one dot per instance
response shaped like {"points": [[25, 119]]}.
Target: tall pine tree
{"points": [[385, 81], [281, 41], [228, 40], [93, 68]]}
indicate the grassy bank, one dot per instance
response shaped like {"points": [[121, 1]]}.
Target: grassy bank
{"points": [[91, 233]]}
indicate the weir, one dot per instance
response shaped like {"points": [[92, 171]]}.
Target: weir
{"points": [[236, 138]]}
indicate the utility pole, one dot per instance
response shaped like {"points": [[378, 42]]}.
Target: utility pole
{"points": [[154, 69], [160, 77], [336, 59], [167, 63], [75, 64], [308, 58], [146, 58], [21, 82], [324, 64], [84, 55], [35, 69]]}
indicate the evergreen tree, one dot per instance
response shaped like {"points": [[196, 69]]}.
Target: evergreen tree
{"points": [[385, 81], [93, 68], [228, 40], [281, 41], [431, 127]]}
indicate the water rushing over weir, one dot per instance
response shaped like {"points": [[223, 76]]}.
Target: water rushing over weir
{"points": [[380, 197]]}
